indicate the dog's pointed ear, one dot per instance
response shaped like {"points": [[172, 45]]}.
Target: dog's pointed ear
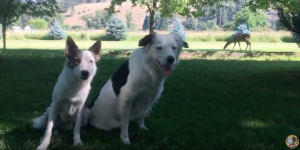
{"points": [[70, 46], [146, 40], [96, 49]]}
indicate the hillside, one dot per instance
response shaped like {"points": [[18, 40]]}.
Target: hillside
{"points": [[138, 13], [90, 8]]}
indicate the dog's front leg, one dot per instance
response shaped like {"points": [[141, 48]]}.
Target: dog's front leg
{"points": [[52, 116], [141, 122], [77, 139], [125, 118]]}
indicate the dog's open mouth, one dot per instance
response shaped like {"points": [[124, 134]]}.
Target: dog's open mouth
{"points": [[167, 70]]}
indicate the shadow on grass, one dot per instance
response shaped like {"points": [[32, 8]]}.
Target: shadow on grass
{"points": [[206, 104]]}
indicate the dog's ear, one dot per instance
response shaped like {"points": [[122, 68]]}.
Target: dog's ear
{"points": [[180, 40], [71, 47], [146, 40], [96, 49]]}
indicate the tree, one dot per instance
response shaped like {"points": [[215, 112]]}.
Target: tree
{"points": [[192, 25], [168, 8], [251, 19], [57, 32], [11, 10], [162, 23], [179, 29], [38, 24], [224, 16], [129, 19], [98, 20], [146, 24], [291, 21], [116, 29]]}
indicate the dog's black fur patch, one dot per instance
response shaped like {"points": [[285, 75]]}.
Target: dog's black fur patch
{"points": [[119, 78]]}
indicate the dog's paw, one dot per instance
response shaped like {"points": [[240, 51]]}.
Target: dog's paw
{"points": [[125, 140], [144, 128], [43, 146], [77, 142]]}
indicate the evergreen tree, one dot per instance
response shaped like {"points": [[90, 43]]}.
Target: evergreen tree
{"points": [[179, 29], [192, 25], [57, 32], [116, 29], [146, 24], [224, 16], [129, 19], [162, 24]]}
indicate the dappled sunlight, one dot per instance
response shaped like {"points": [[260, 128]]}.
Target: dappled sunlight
{"points": [[253, 123]]}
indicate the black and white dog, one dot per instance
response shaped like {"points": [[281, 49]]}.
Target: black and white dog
{"points": [[136, 85], [70, 92]]}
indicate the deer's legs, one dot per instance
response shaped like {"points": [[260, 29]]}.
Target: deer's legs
{"points": [[234, 45], [240, 46], [249, 45], [246, 46]]}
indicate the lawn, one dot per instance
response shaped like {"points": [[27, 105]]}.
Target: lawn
{"points": [[207, 104], [130, 45]]}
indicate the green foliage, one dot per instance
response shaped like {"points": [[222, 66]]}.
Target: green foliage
{"points": [[57, 32], [66, 27], [224, 16], [77, 27], [179, 29], [116, 29], [146, 24], [97, 21], [228, 27], [59, 17], [38, 24], [193, 24], [211, 24], [251, 19], [129, 20], [162, 24]]}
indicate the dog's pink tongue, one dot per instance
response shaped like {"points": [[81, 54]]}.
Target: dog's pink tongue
{"points": [[167, 71]]}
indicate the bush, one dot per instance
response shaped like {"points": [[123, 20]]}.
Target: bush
{"points": [[57, 32], [38, 24], [65, 27], [192, 25], [116, 29], [179, 29], [77, 27]]}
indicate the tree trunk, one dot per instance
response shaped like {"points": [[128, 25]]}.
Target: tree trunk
{"points": [[4, 36], [152, 14]]}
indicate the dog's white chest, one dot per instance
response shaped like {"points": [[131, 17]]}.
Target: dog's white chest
{"points": [[144, 100]]}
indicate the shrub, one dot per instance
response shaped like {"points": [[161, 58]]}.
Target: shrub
{"points": [[77, 27], [38, 24], [179, 29], [57, 32], [116, 29], [192, 25], [65, 27], [146, 24]]}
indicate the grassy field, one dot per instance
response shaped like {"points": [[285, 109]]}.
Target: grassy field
{"points": [[131, 45], [206, 104]]}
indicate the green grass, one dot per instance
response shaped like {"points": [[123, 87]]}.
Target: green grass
{"points": [[131, 45], [211, 103], [203, 36]]}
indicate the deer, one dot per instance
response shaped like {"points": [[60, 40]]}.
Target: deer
{"points": [[240, 38]]}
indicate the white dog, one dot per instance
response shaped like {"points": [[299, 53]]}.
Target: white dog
{"points": [[70, 92], [136, 85]]}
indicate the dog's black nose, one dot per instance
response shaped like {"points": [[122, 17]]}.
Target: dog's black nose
{"points": [[170, 59], [85, 73]]}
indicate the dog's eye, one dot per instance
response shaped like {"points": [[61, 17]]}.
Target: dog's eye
{"points": [[91, 61], [173, 48], [159, 47]]}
